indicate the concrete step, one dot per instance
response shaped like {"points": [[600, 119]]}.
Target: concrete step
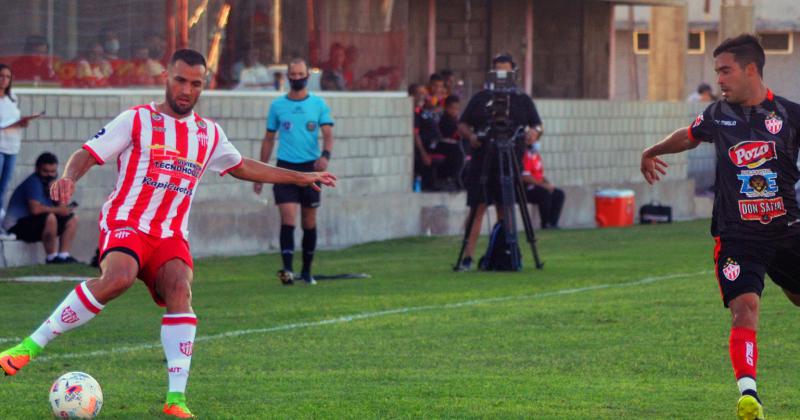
{"points": [[18, 253]]}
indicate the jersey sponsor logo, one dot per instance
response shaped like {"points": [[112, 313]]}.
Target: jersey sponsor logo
{"points": [[758, 183], [774, 123], [762, 210], [68, 316], [731, 269], [286, 125], [186, 348], [726, 123], [150, 182], [163, 152], [156, 116], [181, 168], [752, 154], [697, 121], [100, 133], [311, 126]]}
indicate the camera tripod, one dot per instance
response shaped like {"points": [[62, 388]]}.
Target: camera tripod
{"points": [[501, 149]]}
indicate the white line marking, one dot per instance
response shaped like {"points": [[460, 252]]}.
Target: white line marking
{"points": [[367, 315], [43, 279], [10, 339]]}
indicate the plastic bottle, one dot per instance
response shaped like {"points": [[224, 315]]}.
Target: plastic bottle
{"points": [[418, 184]]}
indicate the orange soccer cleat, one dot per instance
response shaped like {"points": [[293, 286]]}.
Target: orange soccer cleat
{"points": [[15, 358], [176, 406]]}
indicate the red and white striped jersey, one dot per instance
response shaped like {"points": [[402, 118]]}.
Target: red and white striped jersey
{"points": [[159, 163]]}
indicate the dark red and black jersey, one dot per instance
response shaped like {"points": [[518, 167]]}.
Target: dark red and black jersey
{"points": [[756, 170]]}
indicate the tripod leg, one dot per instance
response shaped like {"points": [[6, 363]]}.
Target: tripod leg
{"points": [[467, 231], [526, 216]]}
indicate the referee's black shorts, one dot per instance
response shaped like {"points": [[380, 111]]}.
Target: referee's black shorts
{"points": [[482, 191], [31, 228], [290, 193]]}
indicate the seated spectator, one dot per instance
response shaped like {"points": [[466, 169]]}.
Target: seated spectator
{"points": [[333, 70], [448, 173], [703, 94], [254, 75], [36, 64], [539, 190], [110, 41], [32, 216], [93, 69], [157, 47], [140, 70]]}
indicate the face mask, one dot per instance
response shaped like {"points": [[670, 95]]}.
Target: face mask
{"points": [[298, 84], [111, 46]]}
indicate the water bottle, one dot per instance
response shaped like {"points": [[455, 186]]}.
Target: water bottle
{"points": [[417, 183]]}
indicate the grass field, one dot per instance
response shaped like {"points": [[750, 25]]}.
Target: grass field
{"points": [[621, 323]]}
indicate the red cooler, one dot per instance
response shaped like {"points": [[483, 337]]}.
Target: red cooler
{"points": [[614, 208]]}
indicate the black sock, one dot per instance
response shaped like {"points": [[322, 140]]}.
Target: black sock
{"points": [[287, 246], [309, 245], [752, 393]]}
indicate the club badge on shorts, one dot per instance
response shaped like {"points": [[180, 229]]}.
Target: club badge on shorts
{"points": [[774, 123], [731, 269]]}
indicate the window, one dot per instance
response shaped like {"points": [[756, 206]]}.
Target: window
{"points": [[777, 42], [695, 42]]}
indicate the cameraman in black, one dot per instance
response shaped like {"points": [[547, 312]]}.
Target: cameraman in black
{"points": [[474, 121]]}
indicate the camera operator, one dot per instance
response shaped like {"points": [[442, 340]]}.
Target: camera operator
{"points": [[475, 121]]}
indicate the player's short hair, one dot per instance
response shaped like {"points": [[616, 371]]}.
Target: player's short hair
{"points": [[435, 77], [703, 87], [296, 60], [446, 73], [451, 99], [412, 89], [46, 158], [504, 58], [745, 49], [190, 57]]}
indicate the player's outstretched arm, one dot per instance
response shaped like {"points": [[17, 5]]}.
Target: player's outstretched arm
{"points": [[253, 170], [652, 165], [78, 164]]}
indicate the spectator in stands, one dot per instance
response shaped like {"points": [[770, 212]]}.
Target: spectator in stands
{"points": [[93, 69], [452, 85], [437, 90], [157, 47], [34, 217], [539, 190], [426, 136], [10, 133], [147, 71], [333, 70], [703, 94], [448, 173], [254, 75], [417, 92], [110, 41], [35, 65]]}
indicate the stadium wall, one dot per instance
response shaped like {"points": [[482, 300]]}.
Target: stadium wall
{"points": [[588, 145]]}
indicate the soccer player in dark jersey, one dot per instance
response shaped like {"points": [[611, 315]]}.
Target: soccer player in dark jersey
{"points": [[755, 221]]}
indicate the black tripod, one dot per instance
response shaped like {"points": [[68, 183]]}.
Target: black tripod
{"points": [[502, 150]]}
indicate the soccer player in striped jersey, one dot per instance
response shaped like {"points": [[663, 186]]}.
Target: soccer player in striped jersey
{"points": [[161, 151]]}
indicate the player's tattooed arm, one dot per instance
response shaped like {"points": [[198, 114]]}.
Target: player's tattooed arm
{"points": [[652, 166], [78, 164], [253, 170]]}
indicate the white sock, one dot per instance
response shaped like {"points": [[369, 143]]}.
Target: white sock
{"points": [[746, 383], [63, 254], [177, 337], [78, 308], [51, 256]]}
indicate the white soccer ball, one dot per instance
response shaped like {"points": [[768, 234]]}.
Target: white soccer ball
{"points": [[76, 395]]}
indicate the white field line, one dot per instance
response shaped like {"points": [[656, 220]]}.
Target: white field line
{"points": [[367, 315], [42, 279]]}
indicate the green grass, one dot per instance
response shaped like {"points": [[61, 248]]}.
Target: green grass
{"points": [[640, 351]]}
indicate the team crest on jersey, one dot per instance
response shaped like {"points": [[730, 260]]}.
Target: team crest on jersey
{"points": [[311, 126], [286, 125], [202, 124], [156, 116], [774, 123], [752, 154], [698, 121], [186, 348], [758, 183], [731, 269]]}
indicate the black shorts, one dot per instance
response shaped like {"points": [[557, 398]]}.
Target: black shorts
{"points": [[740, 265], [30, 229], [289, 193]]}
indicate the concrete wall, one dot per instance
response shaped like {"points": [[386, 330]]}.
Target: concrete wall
{"points": [[588, 145]]}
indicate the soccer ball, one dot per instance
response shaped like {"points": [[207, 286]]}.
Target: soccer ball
{"points": [[76, 395]]}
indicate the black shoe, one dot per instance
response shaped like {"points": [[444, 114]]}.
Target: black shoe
{"points": [[69, 260], [308, 278], [286, 277], [466, 264]]}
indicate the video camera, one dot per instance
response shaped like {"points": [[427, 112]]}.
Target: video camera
{"points": [[501, 128]]}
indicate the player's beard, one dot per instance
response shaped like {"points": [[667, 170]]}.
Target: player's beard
{"points": [[177, 108]]}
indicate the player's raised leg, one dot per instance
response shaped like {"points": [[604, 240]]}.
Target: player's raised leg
{"points": [[174, 285], [744, 354], [79, 307]]}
